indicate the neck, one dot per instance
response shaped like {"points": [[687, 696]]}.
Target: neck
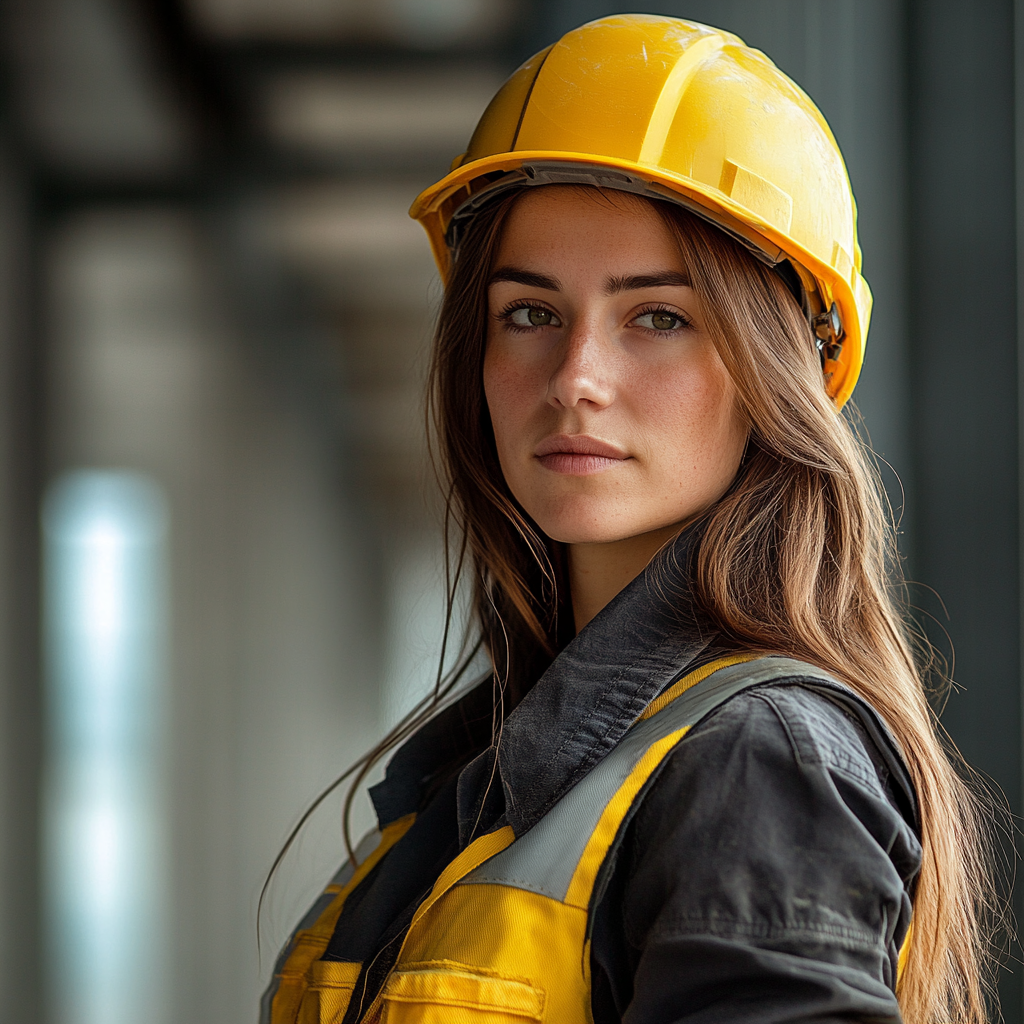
{"points": [[597, 572]]}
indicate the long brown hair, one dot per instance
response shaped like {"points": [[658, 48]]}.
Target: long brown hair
{"points": [[797, 558], [827, 592]]}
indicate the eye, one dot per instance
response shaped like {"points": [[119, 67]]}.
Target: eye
{"points": [[661, 320], [525, 317]]}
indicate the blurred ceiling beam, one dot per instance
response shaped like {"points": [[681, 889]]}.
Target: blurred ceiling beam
{"points": [[420, 24], [412, 117]]}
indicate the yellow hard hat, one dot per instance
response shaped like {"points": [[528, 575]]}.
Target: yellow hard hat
{"points": [[678, 111]]}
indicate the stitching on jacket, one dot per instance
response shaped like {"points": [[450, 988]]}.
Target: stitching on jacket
{"points": [[523, 884], [624, 716], [838, 935]]}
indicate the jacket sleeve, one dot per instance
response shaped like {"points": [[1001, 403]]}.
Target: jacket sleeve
{"points": [[764, 877]]}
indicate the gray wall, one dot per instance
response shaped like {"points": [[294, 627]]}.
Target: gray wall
{"points": [[194, 237]]}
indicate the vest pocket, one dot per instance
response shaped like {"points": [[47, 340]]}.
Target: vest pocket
{"points": [[428, 993], [327, 996]]}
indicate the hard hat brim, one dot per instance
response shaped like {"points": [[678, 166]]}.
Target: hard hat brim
{"points": [[434, 208]]}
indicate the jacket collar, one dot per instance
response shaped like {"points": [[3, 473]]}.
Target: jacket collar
{"points": [[646, 638], [643, 640]]}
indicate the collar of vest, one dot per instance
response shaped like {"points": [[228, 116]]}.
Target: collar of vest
{"points": [[645, 639]]}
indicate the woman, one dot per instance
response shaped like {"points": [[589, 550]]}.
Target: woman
{"points": [[702, 782]]}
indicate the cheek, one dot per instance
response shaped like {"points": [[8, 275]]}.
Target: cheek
{"points": [[694, 421], [508, 391], [497, 392]]}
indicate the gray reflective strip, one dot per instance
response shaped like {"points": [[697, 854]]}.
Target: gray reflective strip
{"points": [[545, 858], [365, 847]]}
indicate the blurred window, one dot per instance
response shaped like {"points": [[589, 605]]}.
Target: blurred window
{"points": [[105, 537]]}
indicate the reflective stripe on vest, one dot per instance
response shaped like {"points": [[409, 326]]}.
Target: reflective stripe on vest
{"points": [[503, 937]]}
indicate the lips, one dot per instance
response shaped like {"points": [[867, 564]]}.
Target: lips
{"points": [[578, 454]]}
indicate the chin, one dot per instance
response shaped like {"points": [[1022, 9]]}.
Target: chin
{"points": [[581, 535], [583, 521], [589, 527]]}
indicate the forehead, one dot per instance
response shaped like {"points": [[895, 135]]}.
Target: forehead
{"points": [[596, 226]]}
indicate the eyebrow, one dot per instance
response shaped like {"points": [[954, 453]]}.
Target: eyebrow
{"points": [[634, 282], [663, 279], [516, 276]]}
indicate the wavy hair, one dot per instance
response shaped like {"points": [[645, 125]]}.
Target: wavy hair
{"points": [[797, 558]]}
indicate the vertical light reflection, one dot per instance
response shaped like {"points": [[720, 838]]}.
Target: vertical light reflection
{"points": [[106, 607]]}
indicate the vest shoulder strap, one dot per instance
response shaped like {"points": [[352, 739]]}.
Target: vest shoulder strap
{"points": [[544, 860]]}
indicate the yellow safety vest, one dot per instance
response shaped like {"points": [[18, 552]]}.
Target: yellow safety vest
{"points": [[503, 937]]}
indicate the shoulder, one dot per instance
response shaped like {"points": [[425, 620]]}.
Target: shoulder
{"points": [[780, 807], [792, 726], [804, 757], [771, 846]]}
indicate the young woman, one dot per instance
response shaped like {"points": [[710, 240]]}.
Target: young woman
{"points": [[702, 782]]}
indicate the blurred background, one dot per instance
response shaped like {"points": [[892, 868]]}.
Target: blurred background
{"points": [[220, 573]]}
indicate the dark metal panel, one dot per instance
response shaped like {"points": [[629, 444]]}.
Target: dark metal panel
{"points": [[21, 454], [964, 330], [962, 260]]}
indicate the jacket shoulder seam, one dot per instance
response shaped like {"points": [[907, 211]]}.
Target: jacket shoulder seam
{"points": [[859, 769]]}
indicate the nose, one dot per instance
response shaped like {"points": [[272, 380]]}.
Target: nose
{"points": [[583, 371]]}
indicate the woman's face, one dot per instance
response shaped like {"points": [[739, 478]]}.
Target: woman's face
{"points": [[613, 413]]}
